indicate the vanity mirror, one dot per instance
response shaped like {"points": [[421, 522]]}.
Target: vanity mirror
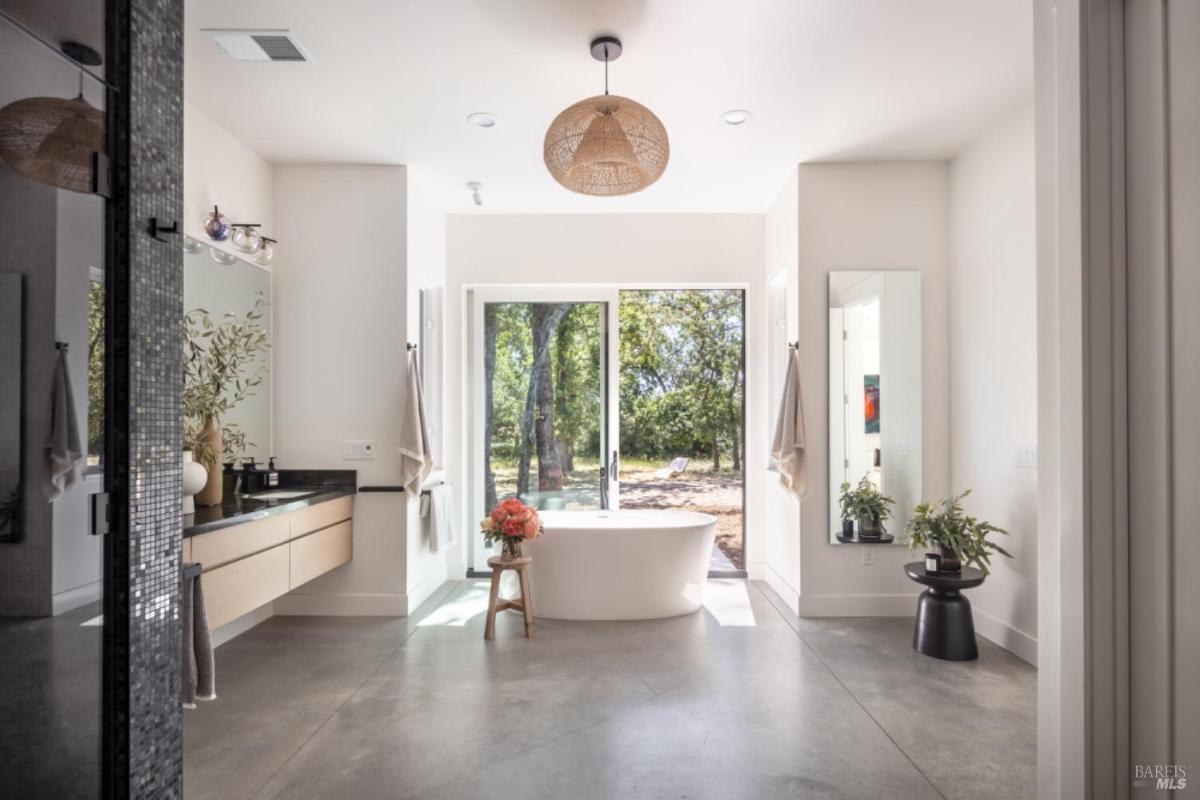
{"points": [[221, 283], [875, 391]]}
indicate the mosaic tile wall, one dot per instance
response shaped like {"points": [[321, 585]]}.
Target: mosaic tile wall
{"points": [[144, 735]]}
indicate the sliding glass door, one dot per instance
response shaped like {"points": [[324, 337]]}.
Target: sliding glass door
{"points": [[543, 384]]}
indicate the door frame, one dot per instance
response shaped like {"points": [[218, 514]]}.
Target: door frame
{"points": [[477, 297]]}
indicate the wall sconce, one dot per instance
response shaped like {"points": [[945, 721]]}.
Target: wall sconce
{"points": [[265, 253], [245, 238]]}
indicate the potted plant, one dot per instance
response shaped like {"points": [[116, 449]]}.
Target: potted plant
{"points": [[961, 540], [866, 505], [510, 523], [221, 368]]}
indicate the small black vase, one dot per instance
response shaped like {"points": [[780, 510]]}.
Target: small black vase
{"points": [[847, 529]]}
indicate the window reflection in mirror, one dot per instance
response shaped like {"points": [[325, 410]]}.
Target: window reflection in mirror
{"points": [[875, 389]]}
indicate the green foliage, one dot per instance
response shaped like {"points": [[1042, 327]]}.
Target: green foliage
{"points": [[681, 373], [95, 371], [946, 524], [222, 366], [864, 502]]}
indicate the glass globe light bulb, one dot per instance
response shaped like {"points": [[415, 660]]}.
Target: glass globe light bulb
{"points": [[221, 257], [246, 239], [265, 254], [216, 225]]}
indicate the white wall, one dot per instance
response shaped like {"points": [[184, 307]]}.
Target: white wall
{"points": [[425, 570], [340, 328], [993, 365], [219, 169], [781, 562], [76, 555], [868, 216], [619, 249]]}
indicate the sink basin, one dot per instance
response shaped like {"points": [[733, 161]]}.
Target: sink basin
{"points": [[280, 495]]}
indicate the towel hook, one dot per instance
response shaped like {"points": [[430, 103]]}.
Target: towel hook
{"points": [[61, 345], [409, 346], [793, 345]]}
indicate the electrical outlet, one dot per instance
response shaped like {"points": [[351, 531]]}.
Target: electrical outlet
{"points": [[868, 556], [1026, 458], [358, 450]]}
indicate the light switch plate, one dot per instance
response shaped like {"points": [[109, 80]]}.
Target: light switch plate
{"points": [[1026, 458], [358, 450]]}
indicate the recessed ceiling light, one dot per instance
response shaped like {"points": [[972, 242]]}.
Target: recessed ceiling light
{"points": [[482, 119], [736, 116]]}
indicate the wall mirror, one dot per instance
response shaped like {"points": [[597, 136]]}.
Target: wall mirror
{"points": [[875, 390], [220, 284]]}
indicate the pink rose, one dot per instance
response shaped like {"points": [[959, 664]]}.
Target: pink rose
{"points": [[532, 527]]}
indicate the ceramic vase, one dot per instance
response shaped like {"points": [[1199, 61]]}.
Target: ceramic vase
{"points": [[214, 490], [194, 478]]}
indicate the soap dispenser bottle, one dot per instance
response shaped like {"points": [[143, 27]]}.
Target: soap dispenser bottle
{"points": [[252, 479], [272, 476]]}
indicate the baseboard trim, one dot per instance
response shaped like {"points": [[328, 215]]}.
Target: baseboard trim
{"points": [[425, 589], [858, 605], [782, 588], [245, 622], [72, 599], [1017, 642], [342, 605]]}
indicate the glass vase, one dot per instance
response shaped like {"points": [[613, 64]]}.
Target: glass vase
{"points": [[510, 549]]}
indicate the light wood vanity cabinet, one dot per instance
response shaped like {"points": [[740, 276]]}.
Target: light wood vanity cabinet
{"points": [[251, 564]]}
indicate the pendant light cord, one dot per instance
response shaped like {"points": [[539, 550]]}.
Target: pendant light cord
{"points": [[605, 69]]}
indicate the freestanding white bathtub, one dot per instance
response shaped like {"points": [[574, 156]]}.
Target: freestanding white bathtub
{"points": [[611, 565]]}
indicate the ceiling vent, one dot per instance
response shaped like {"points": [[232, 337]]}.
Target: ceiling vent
{"points": [[269, 45]]}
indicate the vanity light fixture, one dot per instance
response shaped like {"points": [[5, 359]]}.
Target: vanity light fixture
{"points": [[191, 246], [482, 119], [607, 144], [736, 116]]}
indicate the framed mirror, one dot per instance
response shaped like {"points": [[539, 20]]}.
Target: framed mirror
{"points": [[220, 284], [875, 391]]}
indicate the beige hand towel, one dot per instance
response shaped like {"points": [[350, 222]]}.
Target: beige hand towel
{"points": [[789, 446], [63, 451], [416, 459]]}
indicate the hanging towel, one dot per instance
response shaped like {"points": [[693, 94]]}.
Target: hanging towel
{"points": [[435, 507], [416, 460], [788, 448], [199, 666], [63, 451]]}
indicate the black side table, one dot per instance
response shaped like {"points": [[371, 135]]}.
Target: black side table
{"points": [[945, 628]]}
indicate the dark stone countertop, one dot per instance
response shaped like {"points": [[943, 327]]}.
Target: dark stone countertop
{"points": [[320, 485]]}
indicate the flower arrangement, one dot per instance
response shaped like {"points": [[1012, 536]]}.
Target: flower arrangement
{"points": [[510, 523]]}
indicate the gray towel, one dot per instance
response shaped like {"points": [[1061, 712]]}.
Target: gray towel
{"points": [[199, 666], [63, 451], [435, 509]]}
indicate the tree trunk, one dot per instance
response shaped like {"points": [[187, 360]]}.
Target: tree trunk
{"points": [[526, 449], [716, 453], [546, 317], [489, 375], [737, 449]]}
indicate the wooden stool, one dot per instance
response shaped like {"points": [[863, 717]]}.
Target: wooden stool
{"points": [[498, 565]]}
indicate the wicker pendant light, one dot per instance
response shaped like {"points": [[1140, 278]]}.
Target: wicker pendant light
{"points": [[606, 145], [52, 139]]}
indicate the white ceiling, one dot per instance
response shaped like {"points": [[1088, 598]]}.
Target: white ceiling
{"points": [[392, 81]]}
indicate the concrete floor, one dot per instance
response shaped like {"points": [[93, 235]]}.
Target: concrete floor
{"points": [[742, 700]]}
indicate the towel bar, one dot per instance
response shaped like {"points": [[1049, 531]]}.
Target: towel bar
{"points": [[191, 570]]}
